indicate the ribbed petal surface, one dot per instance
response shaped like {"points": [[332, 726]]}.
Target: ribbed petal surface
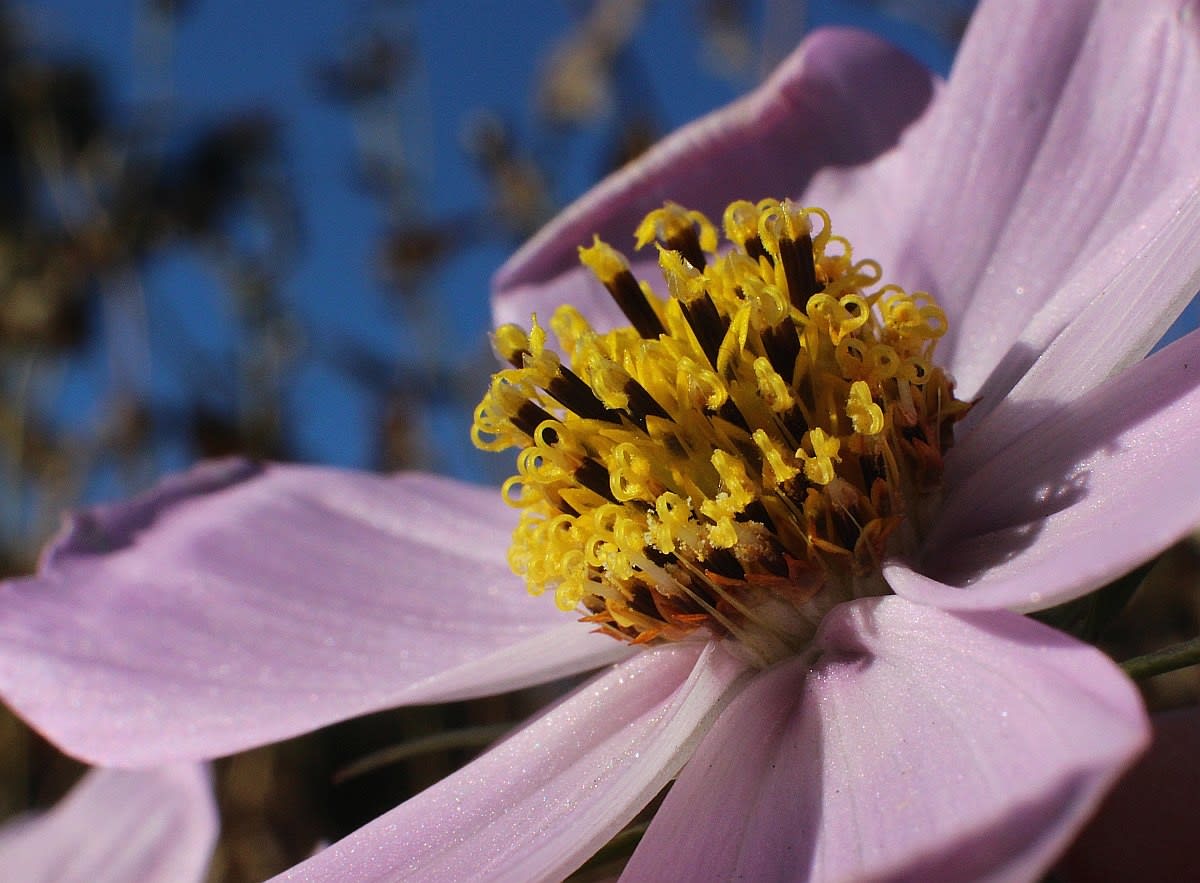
{"points": [[1137, 288], [921, 746], [1097, 487], [237, 605], [542, 802], [1062, 140]]}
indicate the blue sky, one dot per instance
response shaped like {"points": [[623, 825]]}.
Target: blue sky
{"points": [[230, 56]]}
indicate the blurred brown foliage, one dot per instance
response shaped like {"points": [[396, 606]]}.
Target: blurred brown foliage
{"points": [[88, 196]]}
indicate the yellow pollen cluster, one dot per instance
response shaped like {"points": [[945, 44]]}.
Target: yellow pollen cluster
{"points": [[737, 458]]}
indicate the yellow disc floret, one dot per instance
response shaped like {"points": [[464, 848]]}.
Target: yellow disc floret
{"points": [[739, 458]]}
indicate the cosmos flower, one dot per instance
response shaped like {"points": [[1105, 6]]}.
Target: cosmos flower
{"points": [[118, 826], [822, 644]]}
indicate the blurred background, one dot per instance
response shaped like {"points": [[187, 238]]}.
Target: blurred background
{"points": [[268, 228]]}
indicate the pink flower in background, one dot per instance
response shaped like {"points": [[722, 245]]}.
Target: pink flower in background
{"points": [[118, 826], [1049, 196]]}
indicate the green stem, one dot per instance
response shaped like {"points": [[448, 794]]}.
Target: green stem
{"points": [[464, 737], [1179, 655]]}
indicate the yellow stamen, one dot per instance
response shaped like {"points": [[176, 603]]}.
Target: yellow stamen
{"points": [[735, 461], [866, 416]]}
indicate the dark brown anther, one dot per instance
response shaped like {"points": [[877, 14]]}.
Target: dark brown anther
{"points": [[592, 475], [642, 404], [662, 559], [754, 248], [873, 469], [793, 420], [529, 417], [724, 563], [755, 511], [730, 413], [782, 345], [798, 267], [845, 529], [575, 395], [641, 601], [686, 241], [707, 324], [517, 359], [629, 296], [795, 489], [773, 560]]}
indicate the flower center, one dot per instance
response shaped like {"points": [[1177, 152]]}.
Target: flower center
{"points": [[739, 459]]}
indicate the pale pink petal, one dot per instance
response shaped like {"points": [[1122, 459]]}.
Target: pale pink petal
{"points": [[543, 801], [238, 605], [1097, 487], [1146, 828], [842, 98], [117, 826], [1063, 123], [922, 745], [1136, 291]]}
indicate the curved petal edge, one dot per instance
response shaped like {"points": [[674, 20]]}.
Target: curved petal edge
{"points": [[920, 745], [237, 605]]}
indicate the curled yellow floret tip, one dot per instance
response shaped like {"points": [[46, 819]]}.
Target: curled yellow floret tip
{"points": [[745, 448]]}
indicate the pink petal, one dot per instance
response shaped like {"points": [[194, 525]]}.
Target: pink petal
{"points": [[1101, 485], [842, 98], [1063, 123], [1136, 291], [539, 804], [116, 826], [921, 745], [238, 605], [1146, 829]]}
